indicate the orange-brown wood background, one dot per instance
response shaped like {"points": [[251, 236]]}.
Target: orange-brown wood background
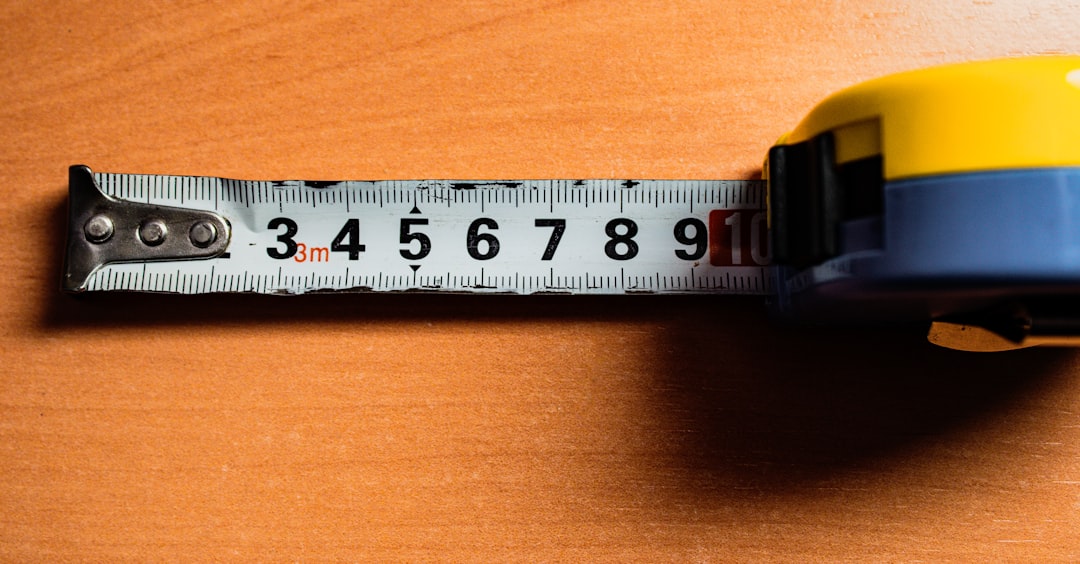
{"points": [[489, 428]]}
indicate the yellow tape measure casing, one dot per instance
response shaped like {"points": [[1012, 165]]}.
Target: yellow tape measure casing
{"points": [[968, 117]]}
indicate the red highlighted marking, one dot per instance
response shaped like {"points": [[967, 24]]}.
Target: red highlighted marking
{"points": [[738, 238]]}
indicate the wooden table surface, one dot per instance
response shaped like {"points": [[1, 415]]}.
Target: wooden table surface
{"points": [[493, 428]]}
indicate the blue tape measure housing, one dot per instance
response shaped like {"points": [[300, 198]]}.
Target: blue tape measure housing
{"points": [[944, 245]]}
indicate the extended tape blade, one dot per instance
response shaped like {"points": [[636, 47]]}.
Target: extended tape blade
{"points": [[521, 236]]}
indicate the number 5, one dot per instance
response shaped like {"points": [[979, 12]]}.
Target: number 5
{"points": [[408, 237]]}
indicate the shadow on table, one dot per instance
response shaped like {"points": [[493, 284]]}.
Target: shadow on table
{"points": [[782, 409]]}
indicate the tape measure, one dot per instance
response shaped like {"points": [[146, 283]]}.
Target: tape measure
{"points": [[523, 237], [948, 195]]}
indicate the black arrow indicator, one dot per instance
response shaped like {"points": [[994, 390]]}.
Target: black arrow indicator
{"points": [[414, 267], [414, 209]]}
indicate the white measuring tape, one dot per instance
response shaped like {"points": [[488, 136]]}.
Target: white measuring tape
{"points": [[524, 237]]}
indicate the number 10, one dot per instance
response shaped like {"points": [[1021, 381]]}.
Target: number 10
{"points": [[735, 240]]}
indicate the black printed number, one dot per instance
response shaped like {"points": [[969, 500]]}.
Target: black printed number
{"points": [[348, 240], [699, 237], [558, 228], [474, 238], [285, 238], [621, 246], [408, 236]]}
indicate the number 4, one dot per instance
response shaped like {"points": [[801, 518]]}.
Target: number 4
{"points": [[348, 240]]}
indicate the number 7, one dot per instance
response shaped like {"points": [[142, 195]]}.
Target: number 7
{"points": [[559, 226]]}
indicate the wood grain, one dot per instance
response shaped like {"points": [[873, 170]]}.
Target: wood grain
{"points": [[489, 429]]}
